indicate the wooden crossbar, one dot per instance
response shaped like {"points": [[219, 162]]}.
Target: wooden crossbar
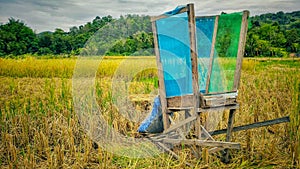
{"points": [[205, 143], [220, 108], [253, 125], [179, 124]]}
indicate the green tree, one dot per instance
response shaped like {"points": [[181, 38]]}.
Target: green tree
{"points": [[252, 45], [16, 38], [141, 43], [44, 43], [60, 42], [292, 40]]}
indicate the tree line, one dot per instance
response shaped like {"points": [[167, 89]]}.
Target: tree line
{"points": [[16, 38], [270, 35], [274, 35]]}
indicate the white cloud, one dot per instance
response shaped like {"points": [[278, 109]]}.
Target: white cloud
{"points": [[43, 15]]}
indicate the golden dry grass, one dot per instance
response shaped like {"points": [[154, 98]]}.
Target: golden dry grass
{"points": [[39, 127]]}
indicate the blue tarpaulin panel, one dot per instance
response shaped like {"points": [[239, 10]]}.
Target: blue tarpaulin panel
{"points": [[153, 123], [174, 49], [204, 34]]}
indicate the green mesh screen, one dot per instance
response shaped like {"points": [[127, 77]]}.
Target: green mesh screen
{"points": [[174, 50], [226, 49]]}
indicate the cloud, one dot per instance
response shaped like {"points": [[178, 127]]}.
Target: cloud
{"points": [[45, 15]]}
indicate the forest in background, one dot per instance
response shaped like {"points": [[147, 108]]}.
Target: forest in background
{"points": [[270, 35]]}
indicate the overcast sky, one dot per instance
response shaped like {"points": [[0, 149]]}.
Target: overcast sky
{"points": [[46, 15]]}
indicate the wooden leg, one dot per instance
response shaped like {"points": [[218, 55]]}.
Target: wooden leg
{"points": [[187, 126], [198, 131], [166, 120], [187, 114], [198, 126], [229, 131]]}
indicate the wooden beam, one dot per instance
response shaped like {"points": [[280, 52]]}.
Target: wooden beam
{"points": [[162, 91], [186, 102], [221, 93], [253, 125], [186, 115], [220, 108], [204, 143], [241, 50], [229, 131], [198, 128], [179, 124], [212, 52], [194, 56], [205, 132], [230, 124], [180, 101]]}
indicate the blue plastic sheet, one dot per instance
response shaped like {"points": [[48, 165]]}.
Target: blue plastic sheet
{"points": [[174, 49], [175, 11], [204, 34], [153, 123]]}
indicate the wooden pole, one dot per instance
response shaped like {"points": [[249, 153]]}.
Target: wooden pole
{"points": [[194, 57], [204, 143], [241, 50], [212, 52], [229, 131], [253, 125], [162, 90]]}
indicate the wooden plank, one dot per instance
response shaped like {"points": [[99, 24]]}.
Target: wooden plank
{"points": [[216, 102], [225, 94], [220, 93], [212, 52], [205, 132], [253, 125], [241, 50], [159, 137], [220, 108], [216, 105], [186, 101], [180, 101], [176, 109], [204, 143], [220, 99], [162, 91], [179, 124]]}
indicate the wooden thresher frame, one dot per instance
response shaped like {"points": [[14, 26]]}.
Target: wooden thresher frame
{"points": [[197, 103]]}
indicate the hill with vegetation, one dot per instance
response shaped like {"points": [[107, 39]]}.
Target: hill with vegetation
{"points": [[270, 35], [274, 35]]}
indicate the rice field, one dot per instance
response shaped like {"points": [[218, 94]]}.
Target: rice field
{"points": [[39, 127]]}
